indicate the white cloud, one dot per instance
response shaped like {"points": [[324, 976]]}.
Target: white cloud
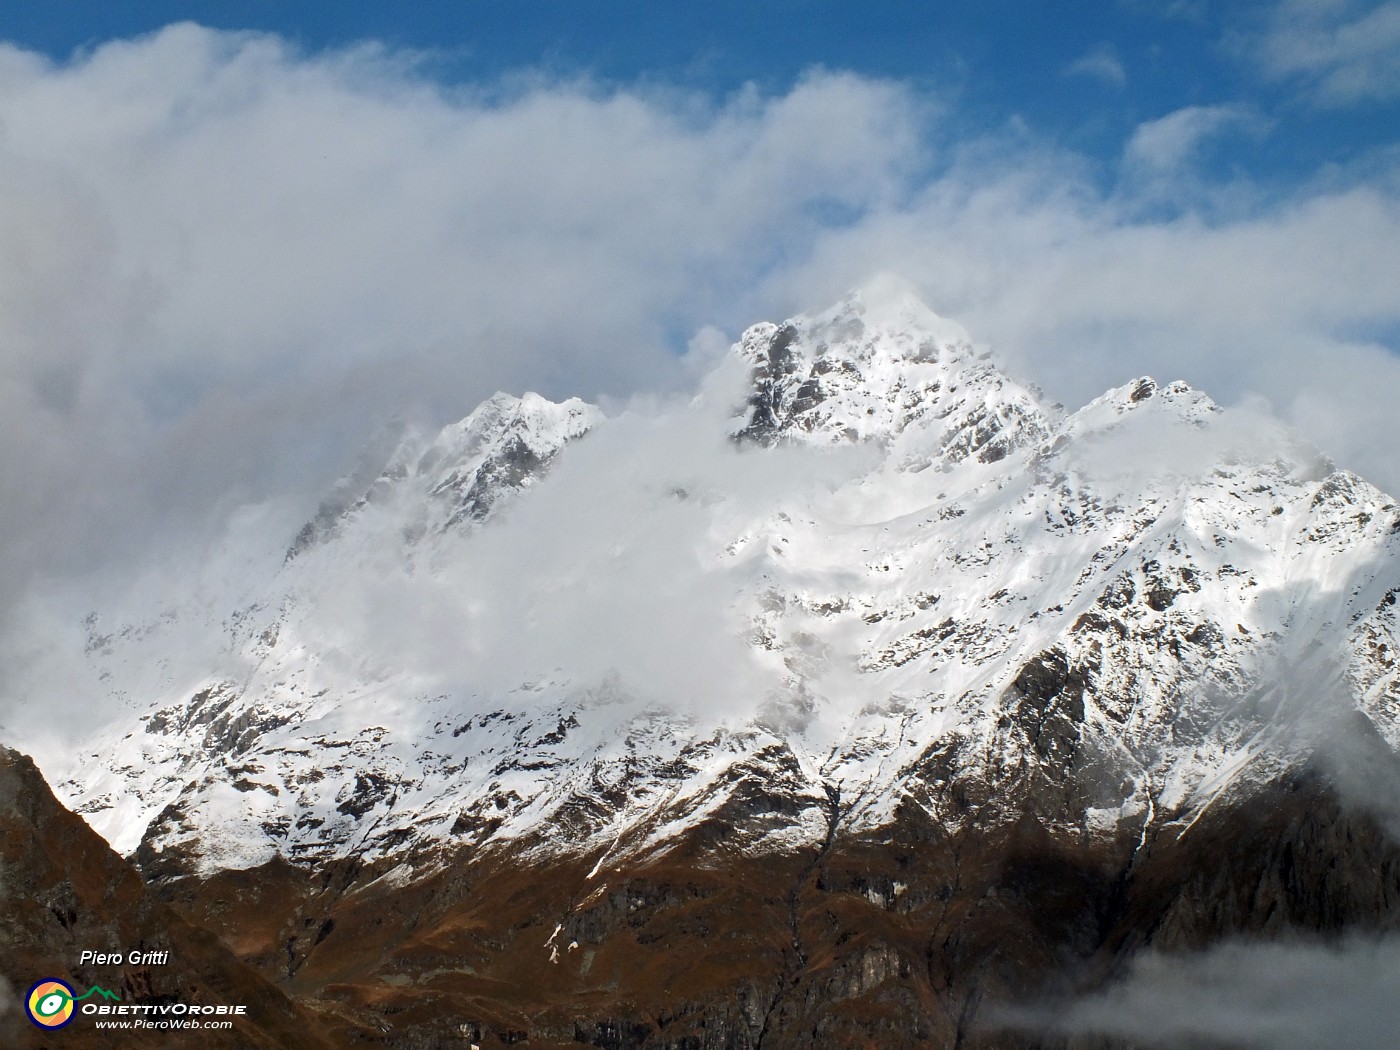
{"points": [[606, 572], [1265, 996], [221, 261], [1164, 145], [1344, 51], [1100, 63]]}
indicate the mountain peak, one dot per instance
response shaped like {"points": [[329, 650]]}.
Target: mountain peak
{"points": [[502, 445], [1175, 402], [891, 304], [880, 365], [505, 444]]}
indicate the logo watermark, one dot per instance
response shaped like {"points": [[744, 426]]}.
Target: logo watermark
{"points": [[51, 1003]]}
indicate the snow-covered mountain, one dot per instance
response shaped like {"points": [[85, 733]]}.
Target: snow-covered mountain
{"points": [[862, 570]]}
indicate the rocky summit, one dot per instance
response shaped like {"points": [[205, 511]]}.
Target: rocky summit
{"points": [[853, 701]]}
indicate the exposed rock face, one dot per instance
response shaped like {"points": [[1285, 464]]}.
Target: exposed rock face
{"points": [[63, 890]]}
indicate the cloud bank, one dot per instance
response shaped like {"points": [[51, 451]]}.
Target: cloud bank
{"points": [[1301, 996], [610, 572], [224, 263], [1342, 52]]}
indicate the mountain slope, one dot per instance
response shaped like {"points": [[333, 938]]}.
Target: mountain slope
{"points": [[63, 890], [1100, 604]]}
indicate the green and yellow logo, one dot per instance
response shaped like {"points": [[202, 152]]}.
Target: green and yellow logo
{"points": [[50, 1001]]}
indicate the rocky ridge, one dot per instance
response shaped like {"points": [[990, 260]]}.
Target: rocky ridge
{"points": [[1100, 600]]}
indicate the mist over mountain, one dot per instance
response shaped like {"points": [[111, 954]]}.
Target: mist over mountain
{"points": [[229, 258]]}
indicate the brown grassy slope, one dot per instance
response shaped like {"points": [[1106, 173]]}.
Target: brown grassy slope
{"points": [[62, 890]]}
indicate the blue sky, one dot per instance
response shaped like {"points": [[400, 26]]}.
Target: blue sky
{"points": [[1084, 74], [232, 247]]}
